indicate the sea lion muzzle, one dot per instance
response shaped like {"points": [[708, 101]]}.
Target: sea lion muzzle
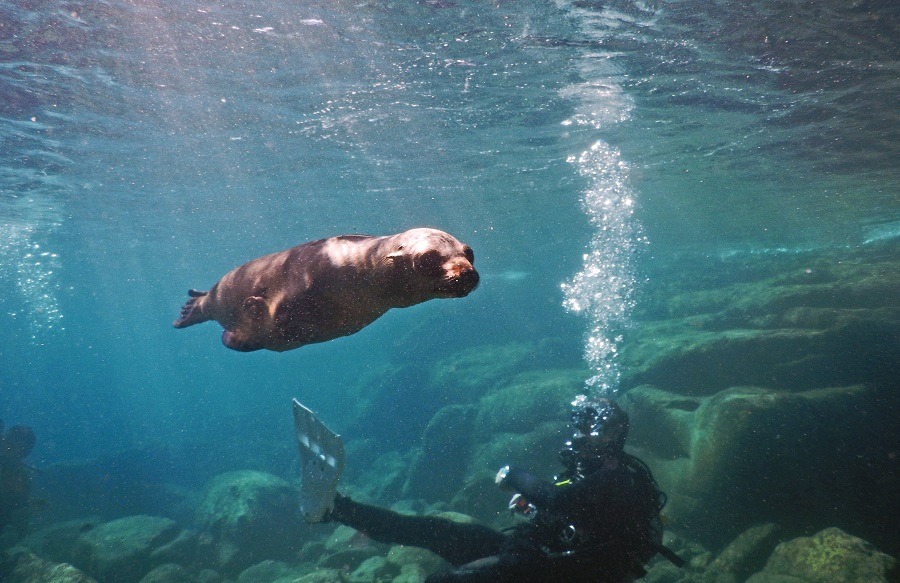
{"points": [[463, 284]]}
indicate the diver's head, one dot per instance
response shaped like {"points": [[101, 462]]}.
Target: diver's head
{"points": [[601, 427], [18, 442]]}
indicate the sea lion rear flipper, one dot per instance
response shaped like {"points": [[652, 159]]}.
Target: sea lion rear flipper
{"points": [[192, 311], [321, 463]]}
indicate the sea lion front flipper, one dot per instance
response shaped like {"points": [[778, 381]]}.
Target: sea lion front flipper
{"points": [[321, 463], [244, 335], [237, 340], [192, 311]]}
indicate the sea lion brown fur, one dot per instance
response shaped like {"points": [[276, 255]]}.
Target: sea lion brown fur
{"points": [[330, 288]]}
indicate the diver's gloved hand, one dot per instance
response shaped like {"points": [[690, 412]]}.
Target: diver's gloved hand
{"points": [[518, 480], [518, 504], [500, 478]]}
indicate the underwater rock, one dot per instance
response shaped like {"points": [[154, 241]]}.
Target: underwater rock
{"points": [[427, 561], [420, 390], [536, 451], [439, 466], [344, 538], [832, 321], [55, 542], [168, 573], [663, 572], [374, 569], [251, 516], [271, 571], [528, 400], [347, 548], [661, 422], [208, 576], [701, 363], [766, 392], [829, 556], [183, 549], [323, 576], [346, 559], [411, 573], [747, 455], [121, 551], [744, 556], [521, 423], [382, 477], [20, 565], [311, 551], [468, 374]]}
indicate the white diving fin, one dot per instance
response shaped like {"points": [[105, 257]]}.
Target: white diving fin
{"points": [[321, 463]]}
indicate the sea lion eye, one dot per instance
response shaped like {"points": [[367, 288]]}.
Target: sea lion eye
{"points": [[469, 254]]}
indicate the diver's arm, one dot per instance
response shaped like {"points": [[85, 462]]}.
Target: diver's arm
{"points": [[548, 496], [537, 491]]}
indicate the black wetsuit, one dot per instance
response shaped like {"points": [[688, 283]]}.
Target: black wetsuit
{"points": [[599, 525]]}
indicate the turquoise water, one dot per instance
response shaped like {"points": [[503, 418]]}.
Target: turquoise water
{"points": [[581, 148]]}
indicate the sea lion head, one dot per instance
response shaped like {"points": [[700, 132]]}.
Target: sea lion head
{"points": [[434, 264]]}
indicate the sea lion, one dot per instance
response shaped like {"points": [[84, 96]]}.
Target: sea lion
{"points": [[329, 288]]}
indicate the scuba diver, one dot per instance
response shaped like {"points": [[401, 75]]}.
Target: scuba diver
{"points": [[596, 522], [15, 477]]}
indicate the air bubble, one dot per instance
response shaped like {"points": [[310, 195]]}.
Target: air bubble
{"points": [[604, 288], [34, 279]]}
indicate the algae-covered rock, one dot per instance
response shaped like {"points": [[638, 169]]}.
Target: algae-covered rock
{"points": [[528, 400], [411, 573], [467, 375], [522, 424], [346, 538], [252, 516], [663, 572], [183, 549], [748, 454], [208, 576], [829, 556], [383, 476], [270, 571], [322, 576], [774, 578], [347, 559], [428, 561], [831, 321], [698, 362], [745, 555], [20, 565], [122, 550], [440, 464], [56, 541], [168, 573], [537, 451], [661, 421], [347, 548], [421, 388], [375, 570], [748, 551]]}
